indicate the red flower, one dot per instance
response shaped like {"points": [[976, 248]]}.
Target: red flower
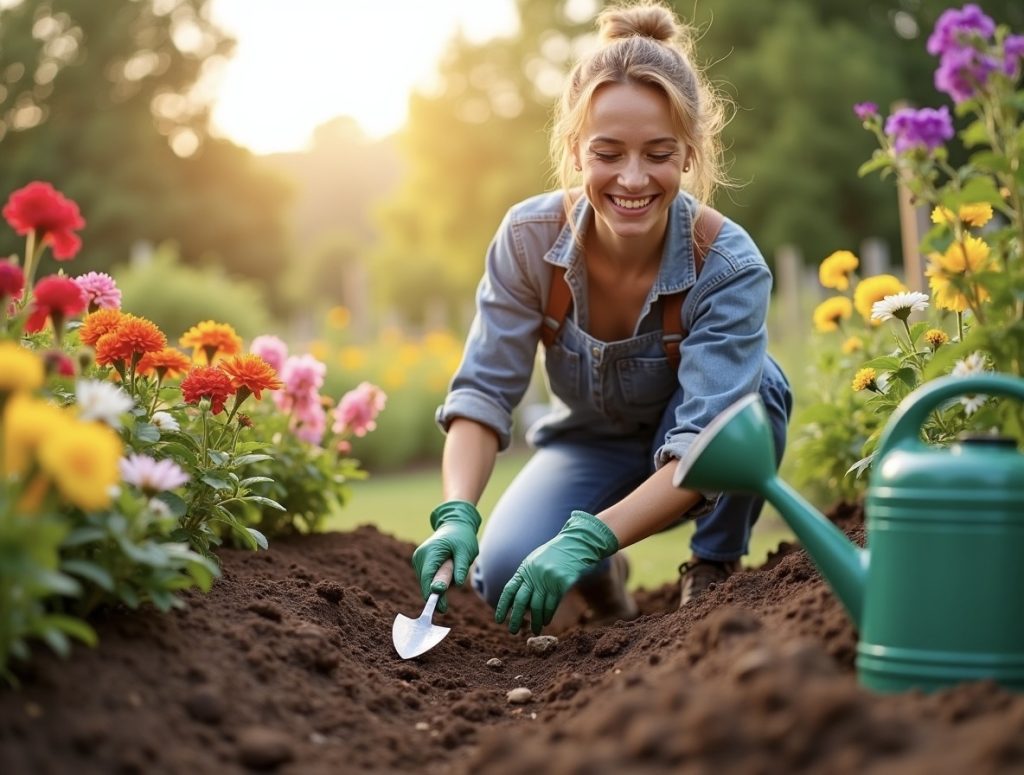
{"points": [[57, 298], [252, 373], [12, 281], [41, 208], [207, 382]]}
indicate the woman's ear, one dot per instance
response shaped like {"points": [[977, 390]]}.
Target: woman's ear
{"points": [[576, 157], [687, 159]]}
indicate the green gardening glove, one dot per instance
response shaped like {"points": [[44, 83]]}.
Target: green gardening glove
{"points": [[455, 524], [549, 570]]}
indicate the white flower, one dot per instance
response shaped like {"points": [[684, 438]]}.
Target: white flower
{"points": [[150, 475], [102, 401], [899, 305], [973, 364], [158, 508], [164, 421]]}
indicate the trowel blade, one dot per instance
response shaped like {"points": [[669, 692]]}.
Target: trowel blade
{"points": [[413, 637]]}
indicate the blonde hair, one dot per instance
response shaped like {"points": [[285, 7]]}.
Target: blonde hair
{"points": [[645, 43]]}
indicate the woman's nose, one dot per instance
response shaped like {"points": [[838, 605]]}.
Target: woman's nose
{"points": [[633, 176]]}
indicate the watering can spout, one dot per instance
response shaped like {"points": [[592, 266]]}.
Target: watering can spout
{"points": [[736, 453]]}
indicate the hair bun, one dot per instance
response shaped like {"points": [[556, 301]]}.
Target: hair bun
{"points": [[647, 20]]}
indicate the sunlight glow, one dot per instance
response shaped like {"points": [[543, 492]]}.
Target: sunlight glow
{"points": [[299, 63]]}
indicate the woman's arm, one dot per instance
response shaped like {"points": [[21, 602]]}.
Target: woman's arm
{"points": [[651, 507], [470, 449]]}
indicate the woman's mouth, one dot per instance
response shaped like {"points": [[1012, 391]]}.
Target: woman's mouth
{"points": [[631, 203]]}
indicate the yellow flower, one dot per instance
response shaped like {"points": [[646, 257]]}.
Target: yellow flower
{"points": [[865, 379], [394, 377], [439, 342], [836, 269], [352, 358], [339, 317], [28, 422], [20, 369], [959, 259], [935, 337], [82, 459], [971, 214], [872, 289], [408, 355], [852, 344], [828, 315]]}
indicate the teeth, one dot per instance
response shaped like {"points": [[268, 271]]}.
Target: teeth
{"points": [[632, 204]]}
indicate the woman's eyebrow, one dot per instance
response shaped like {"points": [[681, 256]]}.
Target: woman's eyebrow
{"points": [[615, 141]]}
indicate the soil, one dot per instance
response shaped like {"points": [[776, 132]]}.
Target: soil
{"points": [[287, 666]]}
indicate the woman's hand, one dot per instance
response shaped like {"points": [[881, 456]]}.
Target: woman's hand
{"points": [[455, 524], [546, 574]]}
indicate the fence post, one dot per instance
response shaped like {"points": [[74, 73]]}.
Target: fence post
{"points": [[874, 257], [788, 268]]}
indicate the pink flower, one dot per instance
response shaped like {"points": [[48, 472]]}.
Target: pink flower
{"points": [[271, 349], [358, 409], [152, 476], [12, 281], [310, 423], [302, 375], [100, 289]]}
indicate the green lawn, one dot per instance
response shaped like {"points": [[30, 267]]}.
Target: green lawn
{"points": [[399, 504]]}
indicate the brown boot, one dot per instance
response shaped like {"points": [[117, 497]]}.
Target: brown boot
{"points": [[606, 595], [700, 575]]}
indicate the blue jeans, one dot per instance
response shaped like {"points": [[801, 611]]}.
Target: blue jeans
{"points": [[593, 474]]}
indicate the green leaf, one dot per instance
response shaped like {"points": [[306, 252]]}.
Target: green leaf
{"points": [[57, 641], [976, 133], [217, 457], [976, 190], [216, 482], [180, 453], [245, 460], [53, 581], [185, 439], [261, 540], [883, 363], [83, 535], [97, 574], [176, 504], [146, 432], [247, 482], [76, 628], [878, 160], [262, 501]]}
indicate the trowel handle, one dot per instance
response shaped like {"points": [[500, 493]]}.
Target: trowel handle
{"points": [[444, 573]]}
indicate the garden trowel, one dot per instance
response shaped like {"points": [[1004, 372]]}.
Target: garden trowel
{"points": [[413, 637]]}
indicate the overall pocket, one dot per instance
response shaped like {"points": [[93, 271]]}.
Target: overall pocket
{"points": [[646, 383], [564, 372]]}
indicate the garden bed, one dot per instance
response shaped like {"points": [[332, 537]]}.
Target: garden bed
{"points": [[287, 665]]}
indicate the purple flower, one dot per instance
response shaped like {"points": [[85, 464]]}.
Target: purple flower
{"points": [[927, 128], [955, 28], [100, 290], [1013, 52], [865, 110], [963, 73]]}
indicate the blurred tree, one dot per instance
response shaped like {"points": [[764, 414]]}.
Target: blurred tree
{"points": [[98, 97]]}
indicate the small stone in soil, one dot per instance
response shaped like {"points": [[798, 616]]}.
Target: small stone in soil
{"points": [[495, 664], [205, 704], [519, 695], [542, 644], [422, 726], [263, 749]]}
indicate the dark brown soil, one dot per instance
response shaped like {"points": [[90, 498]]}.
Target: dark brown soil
{"points": [[288, 666]]}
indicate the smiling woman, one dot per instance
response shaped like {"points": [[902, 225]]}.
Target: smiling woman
{"points": [[297, 65]]}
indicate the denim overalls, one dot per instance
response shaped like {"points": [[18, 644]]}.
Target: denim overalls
{"points": [[619, 411]]}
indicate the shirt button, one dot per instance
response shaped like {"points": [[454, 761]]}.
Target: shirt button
{"points": [[596, 352]]}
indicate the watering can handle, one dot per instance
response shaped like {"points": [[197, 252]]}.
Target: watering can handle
{"points": [[905, 426]]}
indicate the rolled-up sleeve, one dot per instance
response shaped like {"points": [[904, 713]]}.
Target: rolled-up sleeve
{"points": [[498, 358]]}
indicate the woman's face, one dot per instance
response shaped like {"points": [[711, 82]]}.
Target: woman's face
{"points": [[631, 160]]}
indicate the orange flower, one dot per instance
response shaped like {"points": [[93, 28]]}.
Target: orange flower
{"points": [[207, 382], [209, 340], [100, 322], [132, 338], [166, 363], [250, 373]]}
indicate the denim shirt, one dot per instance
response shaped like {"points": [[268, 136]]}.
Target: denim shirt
{"points": [[611, 389]]}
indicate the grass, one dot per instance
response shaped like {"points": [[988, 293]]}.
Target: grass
{"points": [[399, 504]]}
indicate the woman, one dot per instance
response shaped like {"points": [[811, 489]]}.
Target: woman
{"points": [[611, 272]]}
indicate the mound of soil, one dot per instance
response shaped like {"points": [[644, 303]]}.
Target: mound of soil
{"points": [[287, 666]]}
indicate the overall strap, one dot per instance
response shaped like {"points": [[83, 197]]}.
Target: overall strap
{"points": [[705, 230]]}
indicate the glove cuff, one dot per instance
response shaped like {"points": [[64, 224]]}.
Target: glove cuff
{"points": [[606, 541], [456, 511]]}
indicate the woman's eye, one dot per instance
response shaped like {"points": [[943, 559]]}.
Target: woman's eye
{"points": [[660, 157]]}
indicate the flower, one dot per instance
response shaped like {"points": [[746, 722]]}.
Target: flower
{"points": [[27, 422], [925, 129], [865, 379], [955, 29], [20, 368], [207, 382], [82, 459], [129, 341], [358, 409], [973, 214], [39, 207], [209, 340], [339, 317], [166, 363], [303, 376], [271, 349], [852, 344], [12, 281], [972, 365], [963, 73], [936, 337], [98, 323], [102, 401], [309, 423], [865, 110], [100, 290], [959, 260], [250, 374], [899, 305], [57, 362], [872, 289], [165, 421], [836, 269], [55, 298], [151, 475], [830, 313]]}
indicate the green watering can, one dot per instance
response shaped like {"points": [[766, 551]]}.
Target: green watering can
{"points": [[938, 594]]}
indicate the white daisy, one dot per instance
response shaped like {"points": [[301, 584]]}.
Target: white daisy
{"points": [[973, 364], [164, 421], [899, 305], [102, 401], [150, 475]]}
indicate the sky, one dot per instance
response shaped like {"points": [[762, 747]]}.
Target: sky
{"points": [[299, 63]]}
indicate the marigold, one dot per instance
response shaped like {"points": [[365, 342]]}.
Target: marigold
{"points": [[971, 214], [207, 382], [20, 369], [55, 298], [944, 269], [836, 269], [82, 458], [936, 337], [852, 344], [27, 423], [168, 363], [250, 373], [39, 207], [830, 313], [872, 289], [98, 323], [133, 338], [210, 340], [865, 379]]}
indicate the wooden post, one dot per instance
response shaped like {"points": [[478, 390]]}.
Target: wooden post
{"points": [[788, 264], [910, 238]]}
